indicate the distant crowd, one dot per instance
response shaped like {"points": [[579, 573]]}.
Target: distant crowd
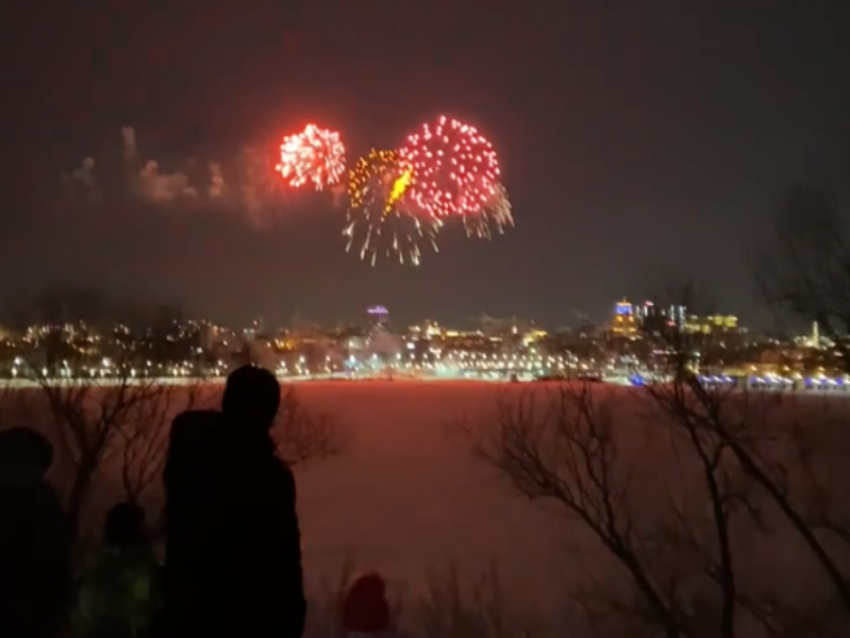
{"points": [[232, 560]]}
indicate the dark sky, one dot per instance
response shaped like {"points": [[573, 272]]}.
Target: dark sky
{"points": [[640, 142]]}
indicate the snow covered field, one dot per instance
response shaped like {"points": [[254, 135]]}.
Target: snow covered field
{"points": [[407, 496]]}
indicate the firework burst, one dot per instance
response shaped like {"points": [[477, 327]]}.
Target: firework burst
{"points": [[381, 220], [455, 166], [314, 155], [493, 217]]}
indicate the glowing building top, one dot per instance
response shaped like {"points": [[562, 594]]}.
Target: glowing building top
{"points": [[625, 322], [378, 316], [623, 308]]}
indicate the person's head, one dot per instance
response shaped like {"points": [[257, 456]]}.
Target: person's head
{"points": [[251, 397], [25, 452], [365, 608], [125, 526]]}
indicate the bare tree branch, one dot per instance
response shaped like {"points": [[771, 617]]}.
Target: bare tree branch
{"points": [[804, 270], [302, 435], [145, 432], [740, 443], [822, 484], [565, 451], [86, 418]]}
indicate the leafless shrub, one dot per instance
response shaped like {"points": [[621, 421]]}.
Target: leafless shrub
{"points": [[323, 610], [749, 448], [758, 444], [563, 449], [85, 420], [724, 490], [303, 435], [449, 610], [729, 455], [803, 270], [144, 436], [822, 480]]}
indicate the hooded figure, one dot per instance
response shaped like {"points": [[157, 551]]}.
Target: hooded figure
{"points": [[365, 612], [34, 539], [118, 595], [230, 502]]}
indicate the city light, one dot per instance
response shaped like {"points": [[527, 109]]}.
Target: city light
{"points": [[633, 347]]}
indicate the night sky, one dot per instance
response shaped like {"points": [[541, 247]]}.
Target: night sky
{"points": [[641, 142]]}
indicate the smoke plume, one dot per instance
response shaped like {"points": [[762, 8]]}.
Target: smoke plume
{"points": [[217, 180], [131, 153], [160, 188], [82, 179], [252, 191]]}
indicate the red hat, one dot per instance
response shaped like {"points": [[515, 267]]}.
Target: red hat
{"points": [[365, 608]]}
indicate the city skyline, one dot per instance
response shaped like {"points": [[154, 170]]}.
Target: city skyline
{"points": [[87, 304]]}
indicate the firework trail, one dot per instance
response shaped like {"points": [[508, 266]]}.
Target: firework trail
{"points": [[380, 219], [494, 216]]}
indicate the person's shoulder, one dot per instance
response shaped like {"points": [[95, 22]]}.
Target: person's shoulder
{"points": [[282, 476], [194, 425], [282, 470], [189, 419]]}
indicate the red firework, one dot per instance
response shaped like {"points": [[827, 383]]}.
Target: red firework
{"points": [[314, 155], [456, 170]]}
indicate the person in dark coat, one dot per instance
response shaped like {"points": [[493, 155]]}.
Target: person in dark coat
{"points": [[365, 611], [264, 565], [35, 561], [119, 595], [242, 520], [193, 470]]}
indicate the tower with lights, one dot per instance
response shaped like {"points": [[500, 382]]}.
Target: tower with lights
{"points": [[379, 317]]}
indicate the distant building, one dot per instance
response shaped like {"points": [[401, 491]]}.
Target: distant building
{"points": [[505, 327], [624, 323], [644, 310], [813, 339], [379, 317], [656, 319], [711, 324]]}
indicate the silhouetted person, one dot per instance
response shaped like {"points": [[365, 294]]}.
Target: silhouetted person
{"points": [[193, 479], [365, 612], [240, 529], [34, 540], [119, 594]]}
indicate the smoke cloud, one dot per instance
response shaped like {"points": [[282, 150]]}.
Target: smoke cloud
{"points": [[131, 153], [82, 179], [217, 180], [160, 188], [246, 186], [85, 174]]}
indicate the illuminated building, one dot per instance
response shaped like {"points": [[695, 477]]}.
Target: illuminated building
{"points": [[646, 309], [504, 327], [624, 323], [655, 319], [533, 336], [379, 317], [711, 324], [428, 330]]}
